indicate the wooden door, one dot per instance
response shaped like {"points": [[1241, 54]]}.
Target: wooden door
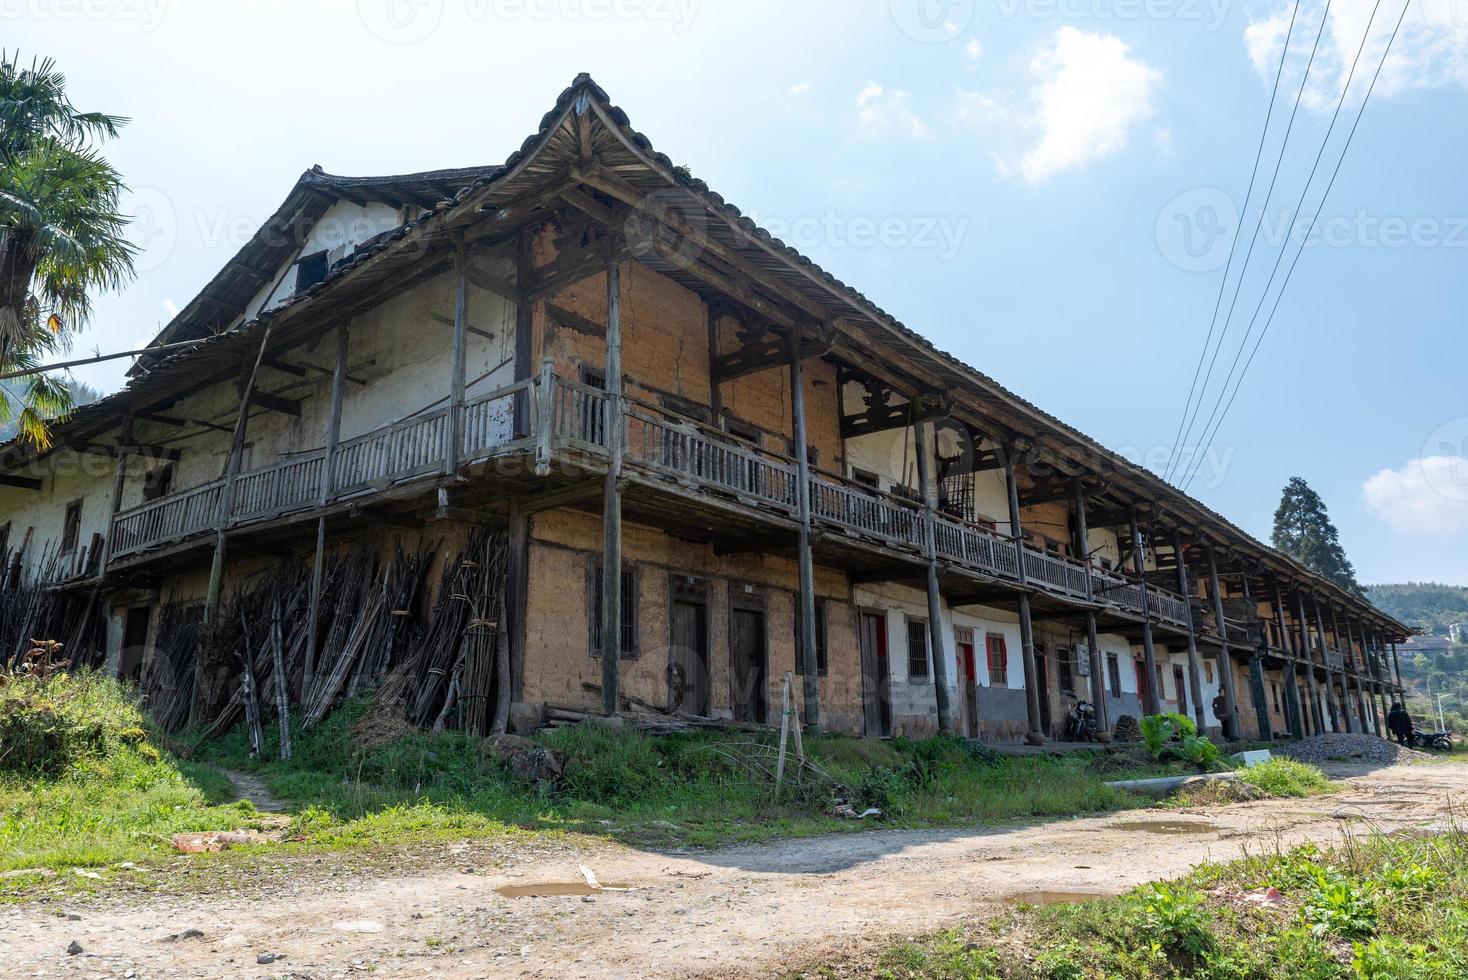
{"points": [[134, 643], [1182, 690], [688, 659], [876, 676], [748, 673], [970, 689]]}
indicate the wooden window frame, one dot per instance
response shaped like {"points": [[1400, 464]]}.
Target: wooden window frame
{"points": [[1003, 679], [631, 604], [1113, 673], [925, 675], [71, 526]]}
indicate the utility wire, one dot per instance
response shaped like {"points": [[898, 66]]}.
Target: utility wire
{"points": [[1254, 239], [1300, 251], [1233, 244]]}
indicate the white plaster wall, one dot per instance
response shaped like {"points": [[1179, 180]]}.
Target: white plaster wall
{"points": [[344, 226], [65, 476]]}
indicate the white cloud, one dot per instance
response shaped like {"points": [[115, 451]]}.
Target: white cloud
{"points": [[1431, 49], [888, 110], [972, 49], [1428, 495], [1088, 96], [799, 88]]}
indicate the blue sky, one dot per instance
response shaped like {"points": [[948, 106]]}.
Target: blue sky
{"points": [[1046, 188]]}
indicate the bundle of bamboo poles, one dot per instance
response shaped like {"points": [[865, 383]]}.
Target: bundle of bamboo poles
{"points": [[168, 675], [32, 609]]}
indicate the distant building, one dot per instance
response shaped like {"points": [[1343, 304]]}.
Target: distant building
{"points": [[1458, 632], [1430, 645]]}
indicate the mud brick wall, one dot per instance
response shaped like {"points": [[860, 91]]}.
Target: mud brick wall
{"points": [[564, 547]]}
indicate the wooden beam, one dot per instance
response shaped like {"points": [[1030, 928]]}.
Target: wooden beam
{"points": [[19, 482], [764, 354], [275, 403], [448, 321], [154, 452]]}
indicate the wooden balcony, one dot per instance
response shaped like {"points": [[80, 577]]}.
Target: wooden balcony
{"points": [[562, 421]]}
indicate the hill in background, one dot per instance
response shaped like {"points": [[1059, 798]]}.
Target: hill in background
{"points": [[1429, 606]]}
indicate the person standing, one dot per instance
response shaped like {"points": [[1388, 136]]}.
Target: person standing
{"points": [[1399, 723]]}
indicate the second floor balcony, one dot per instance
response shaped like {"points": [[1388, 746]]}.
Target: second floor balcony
{"points": [[550, 423]]}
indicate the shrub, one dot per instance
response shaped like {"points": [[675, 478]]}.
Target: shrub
{"points": [[1285, 778], [48, 725], [1174, 917], [1158, 730]]}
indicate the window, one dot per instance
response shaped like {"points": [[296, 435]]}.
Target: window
{"points": [[157, 483], [310, 270], [629, 613], [865, 477], [1208, 671], [917, 648], [742, 430], [72, 529], [593, 379], [998, 659], [1276, 697], [1113, 670], [820, 637], [1066, 674]]}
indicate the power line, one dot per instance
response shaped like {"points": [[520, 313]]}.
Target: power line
{"points": [[1234, 243], [95, 359], [1316, 217], [1254, 239]]}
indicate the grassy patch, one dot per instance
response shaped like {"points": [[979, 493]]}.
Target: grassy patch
{"points": [[1378, 908], [1285, 778], [83, 781]]}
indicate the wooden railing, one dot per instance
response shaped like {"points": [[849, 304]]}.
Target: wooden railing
{"points": [[658, 445]]}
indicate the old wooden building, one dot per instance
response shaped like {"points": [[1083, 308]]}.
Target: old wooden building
{"points": [[571, 434]]}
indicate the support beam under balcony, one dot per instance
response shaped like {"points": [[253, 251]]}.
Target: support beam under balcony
{"points": [[328, 478], [769, 352], [1305, 654], [1195, 669], [275, 403], [1152, 695], [806, 618], [1294, 713], [1035, 735], [611, 589], [1099, 697], [19, 482], [1230, 720], [935, 601]]}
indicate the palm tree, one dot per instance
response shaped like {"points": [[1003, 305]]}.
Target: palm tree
{"points": [[61, 232]]}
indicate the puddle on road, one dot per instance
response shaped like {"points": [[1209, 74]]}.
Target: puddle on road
{"points": [[1056, 898], [1167, 827], [553, 889]]}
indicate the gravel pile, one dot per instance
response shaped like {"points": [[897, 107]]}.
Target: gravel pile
{"points": [[1354, 748]]}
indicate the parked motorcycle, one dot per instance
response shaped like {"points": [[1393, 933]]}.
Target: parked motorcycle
{"points": [[1080, 723], [1437, 741]]}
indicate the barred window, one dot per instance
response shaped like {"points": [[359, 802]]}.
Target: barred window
{"points": [[998, 659], [629, 613], [917, 649]]}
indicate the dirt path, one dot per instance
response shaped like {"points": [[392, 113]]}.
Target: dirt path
{"points": [[748, 910], [248, 786]]}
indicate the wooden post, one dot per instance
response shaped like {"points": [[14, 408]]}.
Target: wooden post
{"points": [[1195, 669], [279, 678], [716, 393], [1397, 663], [1307, 655], [328, 487], [455, 428], [1225, 659], [226, 491], [611, 577], [1035, 736], [1352, 667], [1099, 695], [1152, 696], [810, 680], [1292, 686], [923, 445], [119, 482], [1334, 710], [1256, 669]]}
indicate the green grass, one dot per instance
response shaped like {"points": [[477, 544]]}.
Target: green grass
{"points": [[1378, 908], [1282, 777], [83, 782]]}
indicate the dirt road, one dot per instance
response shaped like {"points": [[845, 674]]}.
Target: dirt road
{"points": [[740, 910]]}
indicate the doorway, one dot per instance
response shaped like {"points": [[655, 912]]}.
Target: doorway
{"points": [[748, 670], [876, 676], [1042, 685], [134, 643], [970, 688], [1182, 690], [688, 653]]}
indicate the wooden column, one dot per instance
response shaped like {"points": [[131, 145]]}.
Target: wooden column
{"points": [[1256, 674], [1378, 695], [1152, 696], [1335, 710], [226, 491], [611, 577], [1397, 663], [328, 487], [1295, 714], [804, 561], [1357, 661], [1307, 655], [1035, 736], [455, 428], [1099, 694], [119, 482], [1195, 669], [1225, 659], [923, 445]]}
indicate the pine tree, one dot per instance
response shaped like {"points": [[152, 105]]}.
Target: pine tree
{"points": [[1302, 530]]}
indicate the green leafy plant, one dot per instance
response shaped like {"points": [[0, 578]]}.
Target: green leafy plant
{"points": [[1282, 777], [1337, 906], [1159, 730], [1175, 918]]}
